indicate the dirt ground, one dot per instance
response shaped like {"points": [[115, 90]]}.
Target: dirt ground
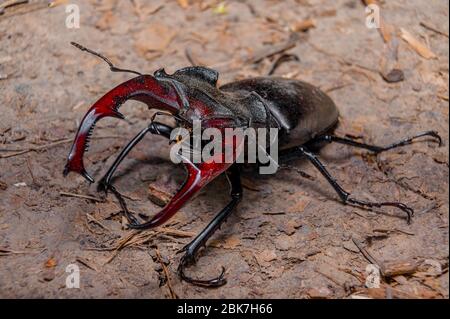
{"points": [[290, 237]]}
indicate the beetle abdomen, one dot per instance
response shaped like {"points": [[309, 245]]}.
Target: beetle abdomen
{"points": [[302, 110]]}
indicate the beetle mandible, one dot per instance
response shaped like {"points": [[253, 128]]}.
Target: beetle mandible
{"points": [[304, 116]]}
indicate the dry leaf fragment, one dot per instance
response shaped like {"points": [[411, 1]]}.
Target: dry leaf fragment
{"points": [[106, 21], [299, 206], [369, 2], [418, 46], [57, 3], [266, 256], [319, 293], [230, 243], [3, 186], [51, 263], [327, 13], [157, 196], [142, 10], [183, 3], [221, 9], [303, 25], [154, 38], [396, 268]]}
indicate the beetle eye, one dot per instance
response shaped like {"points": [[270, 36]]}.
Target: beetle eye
{"points": [[160, 73]]}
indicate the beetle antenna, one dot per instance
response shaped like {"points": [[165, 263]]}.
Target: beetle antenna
{"points": [[111, 66]]}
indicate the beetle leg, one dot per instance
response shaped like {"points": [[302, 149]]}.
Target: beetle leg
{"points": [[105, 182], [374, 148], [345, 196], [128, 215], [194, 246], [154, 128], [199, 175]]}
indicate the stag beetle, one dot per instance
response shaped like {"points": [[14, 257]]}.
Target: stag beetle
{"points": [[304, 116]]}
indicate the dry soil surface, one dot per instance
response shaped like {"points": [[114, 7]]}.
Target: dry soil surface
{"points": [[290, 237]]}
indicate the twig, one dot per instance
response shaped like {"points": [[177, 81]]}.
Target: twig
{"points": [[280, 60], [6, 130], [24, 9], [31, 171], [274, 213], [142, 238], [336, 87], [131, 198], [173, 295], [274, 49], [11, 3], [122, 243], [94, 220], [175, 232], [17, 152], [429, 27], [35, 149], [88, 226], [429, 208], [86, 263], [7, 252], [95, 199], [381, 230], [367, 255]]}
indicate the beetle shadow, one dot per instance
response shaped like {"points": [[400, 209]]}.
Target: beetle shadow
{"points": [[317, 187], [178, 176], [144, 167], [155, 168]]}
